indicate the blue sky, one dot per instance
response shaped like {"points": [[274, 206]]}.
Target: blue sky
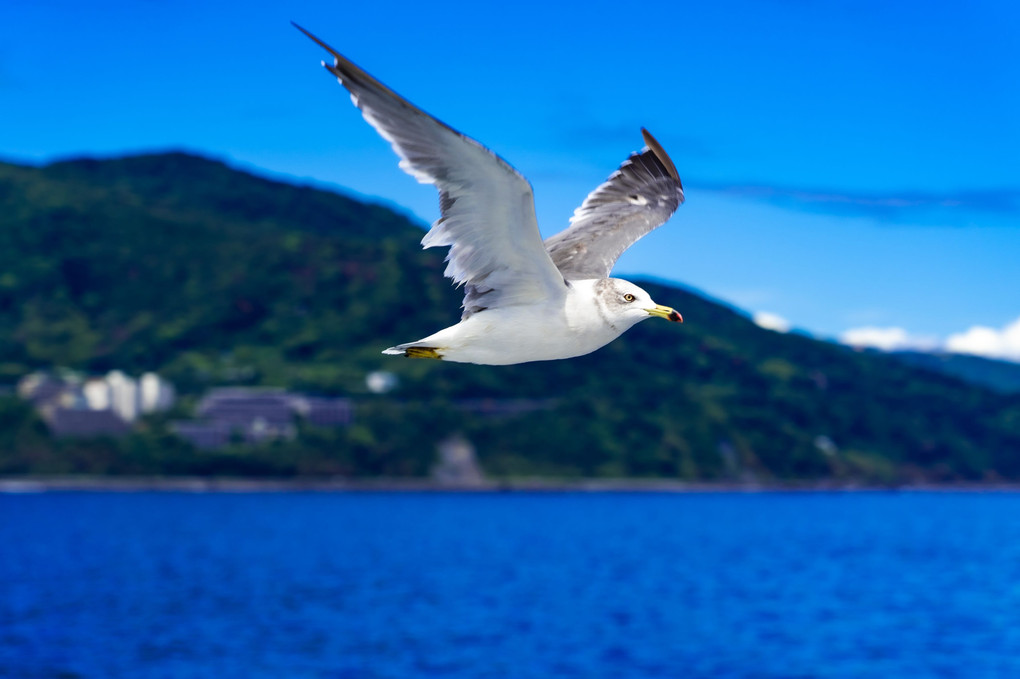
{"points": [[850, 167]]}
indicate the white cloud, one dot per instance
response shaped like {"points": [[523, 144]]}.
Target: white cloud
{"points": [[771, 321], [980, 340], [886, 339], [989, 342]]}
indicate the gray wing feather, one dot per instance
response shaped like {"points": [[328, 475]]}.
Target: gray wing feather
{"points": [[487, 208], [636, 199]]}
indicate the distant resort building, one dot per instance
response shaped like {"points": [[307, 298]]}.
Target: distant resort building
{"points": [[81, 422], [253, 415], [41, 388], [73, 405]]}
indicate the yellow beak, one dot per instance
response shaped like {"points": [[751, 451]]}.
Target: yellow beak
{"points": [[665, 312]]}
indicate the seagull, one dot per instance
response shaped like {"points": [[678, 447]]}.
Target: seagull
{"points": [[524, 299]]}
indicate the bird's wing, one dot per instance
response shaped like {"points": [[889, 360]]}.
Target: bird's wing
{"points": [[637, 198], [487, 208]]}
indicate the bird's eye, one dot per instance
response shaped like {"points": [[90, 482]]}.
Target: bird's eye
{"points": [[629, 297]]}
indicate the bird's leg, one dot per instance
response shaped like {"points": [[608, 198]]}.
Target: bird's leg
{"points": [[422, 352]]}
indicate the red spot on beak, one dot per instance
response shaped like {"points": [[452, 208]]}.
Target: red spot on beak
{"points": [[676, 317]]}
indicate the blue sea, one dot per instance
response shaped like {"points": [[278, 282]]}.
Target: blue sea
{"points": [[514, 585]]}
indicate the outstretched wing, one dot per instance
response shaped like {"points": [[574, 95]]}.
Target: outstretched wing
{"points": [[637, 198], [487, 208]]}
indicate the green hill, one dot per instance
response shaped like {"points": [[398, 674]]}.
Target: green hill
{"points": [[1001, 376], [208, 275]]}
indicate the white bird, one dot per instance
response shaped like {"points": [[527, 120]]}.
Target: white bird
{"points": [[525, 299]]}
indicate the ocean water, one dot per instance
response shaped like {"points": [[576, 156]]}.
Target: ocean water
{"points": [[515, 585]]}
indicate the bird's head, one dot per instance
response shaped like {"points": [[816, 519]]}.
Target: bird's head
{"points": [[627, 304]]}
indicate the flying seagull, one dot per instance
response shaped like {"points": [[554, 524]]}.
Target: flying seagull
{"points": [[524, 299]]}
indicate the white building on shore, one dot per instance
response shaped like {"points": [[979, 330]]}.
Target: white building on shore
{"points": [[75, 405], [155, 393], [127, 396]]}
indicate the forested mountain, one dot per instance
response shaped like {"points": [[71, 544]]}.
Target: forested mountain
{"points": [[210, 276], [1001, 376]]}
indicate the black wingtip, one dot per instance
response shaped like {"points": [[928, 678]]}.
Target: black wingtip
{"points": [[326, 47], [661, 154]]}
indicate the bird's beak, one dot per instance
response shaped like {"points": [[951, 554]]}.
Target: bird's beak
{"points": [[665, 312]]}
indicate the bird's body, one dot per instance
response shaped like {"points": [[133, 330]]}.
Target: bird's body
{"points": [[578, 323], [525, 299]]}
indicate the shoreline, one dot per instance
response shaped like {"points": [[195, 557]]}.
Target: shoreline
{"points": [[195, 484]]}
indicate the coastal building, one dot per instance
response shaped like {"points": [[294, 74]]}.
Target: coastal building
{"points": [[76, 405], [97, 393], [127, 396], [83, 422], [155, 394], [255, 415], [42, 387], [269, 411], [123, 395]]}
